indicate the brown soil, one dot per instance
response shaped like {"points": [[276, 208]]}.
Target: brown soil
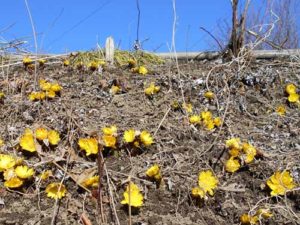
{"points": [[246, 100]]}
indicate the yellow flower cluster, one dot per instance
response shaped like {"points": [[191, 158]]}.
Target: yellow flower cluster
{"points": [[132, 196], [43, 134], [206, 118], [207, 182], [151, 89], [49, 90], [291, 90], [154, 173], [109, 137], [27, 140], [260, 214], [14, 173], [238, 152], [136, 138]]}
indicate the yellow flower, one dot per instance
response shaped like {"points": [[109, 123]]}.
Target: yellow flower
{"points": [[188, 107], [37, 96], [46, 174], [93, 66], [210, 125], [24, 172], [143, 70], [206, 115], [279, 183], [281, 110], [109, 141], [198, 192], [42, 62], [217, 121], [129, 136], [207, 182], [194, 119], [152, 89], [250, 152], [14, 182], [146, 138], [55, 87], [27, 61], [175, 104], [154, 172], [209, 95], [56, 190], [66, 62], [44, 85], [6, 162], [91, 182], [112, 130], [294, 97], [53, 137], [114, 90], [41, 134], [232, 165], [233, 143], [50, 94], [132, 196], [27, 142], [290, 89], [89, 145]]}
